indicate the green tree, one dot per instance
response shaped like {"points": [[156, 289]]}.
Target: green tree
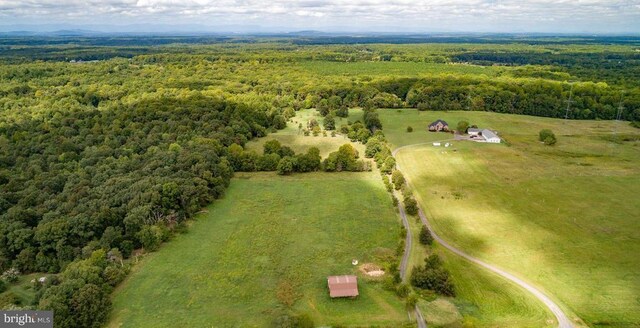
{"points": [[342, 111], [411, 206], [389, 165], [285, 166], [462, 127], [398, 179], [271, 147], [425, 236], [329, 122]]}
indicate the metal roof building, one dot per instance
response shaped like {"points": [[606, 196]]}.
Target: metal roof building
{"points": [[343, 286]]}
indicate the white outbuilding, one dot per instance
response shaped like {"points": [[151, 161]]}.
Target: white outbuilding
{"points": [[489, 136], [473, 131]]}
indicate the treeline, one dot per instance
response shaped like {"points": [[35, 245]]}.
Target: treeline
{"points": [[622, 68], [524, 96], [77, 182]]}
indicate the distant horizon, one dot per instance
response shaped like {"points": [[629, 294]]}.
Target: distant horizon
{"points": [[190, 30], [601, 17]]}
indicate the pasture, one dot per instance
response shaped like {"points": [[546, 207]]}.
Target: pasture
{"points": [[266, 250], [564, 217], [293, 137]]}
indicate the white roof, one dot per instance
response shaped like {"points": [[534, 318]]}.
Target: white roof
{"points": [[488, 134], [473, 130]]}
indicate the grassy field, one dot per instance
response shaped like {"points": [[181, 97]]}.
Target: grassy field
{"points": [[268, 232], [293, 137], [23, 290], [408, 69], [563, 217], [482, 300]]}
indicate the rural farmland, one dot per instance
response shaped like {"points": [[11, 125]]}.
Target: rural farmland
{"points": [[287, 167], [495, 201]]}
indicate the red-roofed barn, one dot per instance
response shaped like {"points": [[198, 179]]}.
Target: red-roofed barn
{"points": [[343, 286]]}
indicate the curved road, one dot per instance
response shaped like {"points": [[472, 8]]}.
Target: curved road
{"points": [[563, 320]]}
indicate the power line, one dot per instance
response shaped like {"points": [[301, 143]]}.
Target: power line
{"points": [[569, 101], [620, 107]]}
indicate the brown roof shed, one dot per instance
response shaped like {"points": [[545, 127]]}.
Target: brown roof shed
{"points": [[343, 286]]}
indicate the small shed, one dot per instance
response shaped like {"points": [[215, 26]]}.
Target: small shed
{"points": [[436, 144], [343, 286], [439, 125]]}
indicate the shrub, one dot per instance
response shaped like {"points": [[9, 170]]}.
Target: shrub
{"points": [[293, 321], [11, 275], [409, 129], [425, 236], [316, 131], [403, 290], [411, 301], [547, 136], [9, 299], [3, 286]]}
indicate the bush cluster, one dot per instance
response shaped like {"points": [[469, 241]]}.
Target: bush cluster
{"points": [[433, 276]]}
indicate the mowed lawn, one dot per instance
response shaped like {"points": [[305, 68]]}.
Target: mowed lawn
{"points": [[564, 217], [268, 232]]}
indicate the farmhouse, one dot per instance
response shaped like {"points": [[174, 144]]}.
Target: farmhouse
{"points": [[343, 286], [473, 131], [438, 126], [489, 136]]}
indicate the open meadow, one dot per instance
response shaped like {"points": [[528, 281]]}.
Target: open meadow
{"points": [[564, 217], [265, 250], [293, 137]]}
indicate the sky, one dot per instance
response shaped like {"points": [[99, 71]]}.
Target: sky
{"points": [[508, 16]]}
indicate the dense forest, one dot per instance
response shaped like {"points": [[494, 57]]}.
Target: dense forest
{"points": [[105, 150]]}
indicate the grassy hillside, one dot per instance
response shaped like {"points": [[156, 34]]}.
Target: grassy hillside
{"points": [[270, 231], [563, 217]]}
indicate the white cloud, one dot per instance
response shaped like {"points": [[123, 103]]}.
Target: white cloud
{"points": [[461, 15]]}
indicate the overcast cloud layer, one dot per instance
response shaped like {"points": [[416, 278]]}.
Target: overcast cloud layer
{"points": [[591, 16]]}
